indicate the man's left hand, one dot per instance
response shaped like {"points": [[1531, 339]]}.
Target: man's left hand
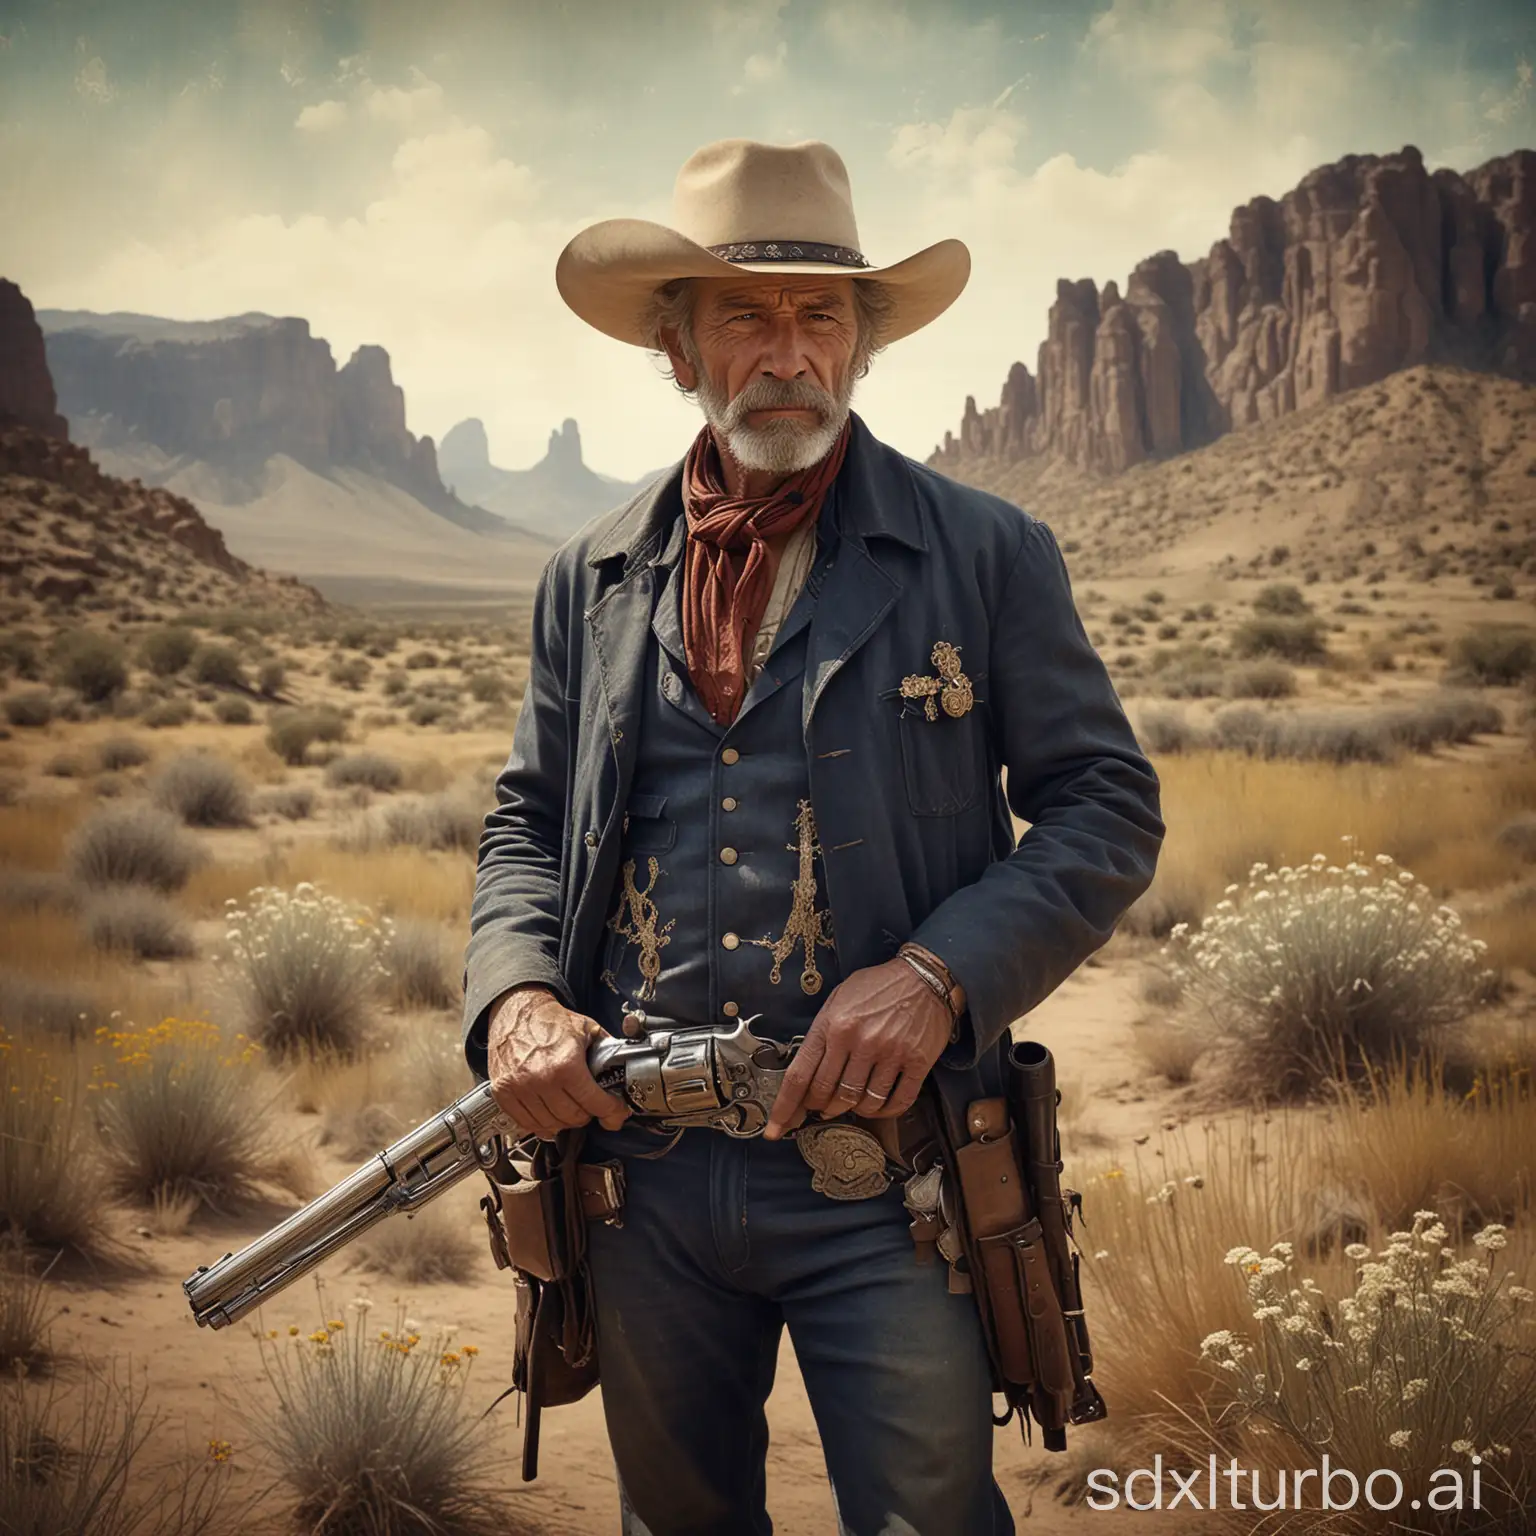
{"points": [[876, 1038]]}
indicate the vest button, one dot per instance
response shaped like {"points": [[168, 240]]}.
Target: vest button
{"points": [[730, 1010], [729, 803], [590, 839], [672, 687], [729, 756], [730, 940], [728, 855]]}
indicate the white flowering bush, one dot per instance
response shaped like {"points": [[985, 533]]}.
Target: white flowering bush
{"points": [[1311, 967], [1428, 1363], [369, 1423], [306, 966]]}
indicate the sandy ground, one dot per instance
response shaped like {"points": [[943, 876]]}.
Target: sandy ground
{"points": [[202, 1381]]}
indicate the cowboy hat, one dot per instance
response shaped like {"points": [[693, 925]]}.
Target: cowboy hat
{"points": [[741, 206]]}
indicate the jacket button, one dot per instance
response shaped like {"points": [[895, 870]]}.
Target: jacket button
{"points": [[590, 839], [730, 1010], [729, 803], [728, 855], [729, 756], [730, 940]]}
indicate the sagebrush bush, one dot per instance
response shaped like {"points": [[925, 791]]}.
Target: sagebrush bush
{"points": [[165, 714], [1498, 654], [1424, 1364], [445, 821], [76, 1465], [439, 1244], [30, 709], [219, 666], [370, 769], [487, 688], [1291, 639], [47, 1198], [305, 966], [1311, 968], [25, 1312], [1265, 679], [137, 922], [204, 791], [1282, 599], [1167, 730], [132, 845], [349, 672], [53, 1007], [233, 710], [185, 1119], [119, 752], [165, 652], [292, 732], [372, 1429], [90, 662], [293, 802], [415, 957], [270, 677]]}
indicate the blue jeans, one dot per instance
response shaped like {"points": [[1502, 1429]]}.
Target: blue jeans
{"points": [[724, 1243]]}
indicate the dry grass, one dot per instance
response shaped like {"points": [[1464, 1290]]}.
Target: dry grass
{"points": [[1226, 812], [33, 836], [204, 791]]}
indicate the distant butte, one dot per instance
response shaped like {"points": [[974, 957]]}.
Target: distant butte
{"points": [[1370, 266]]}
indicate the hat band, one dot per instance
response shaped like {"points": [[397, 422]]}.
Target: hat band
{"points": [[790, 250]]}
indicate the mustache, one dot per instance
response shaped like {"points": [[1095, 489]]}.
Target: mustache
{"points": [[769, 394]]}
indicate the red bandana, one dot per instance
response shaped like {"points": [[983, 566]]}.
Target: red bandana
{"points": [[726, 582]]}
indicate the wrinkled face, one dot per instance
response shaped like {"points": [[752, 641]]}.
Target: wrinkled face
{"points": [[773, 362]]}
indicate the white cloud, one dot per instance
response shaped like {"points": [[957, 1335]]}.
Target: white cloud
{"points": [[92, 83], [321, 116], [1163, 37], [763, 67], [402, 104], [973, 139]]}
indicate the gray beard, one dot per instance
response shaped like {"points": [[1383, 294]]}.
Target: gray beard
{"points": [[780, 447]]}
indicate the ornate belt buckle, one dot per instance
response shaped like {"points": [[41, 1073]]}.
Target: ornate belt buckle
{"points": [[846, 1161]]}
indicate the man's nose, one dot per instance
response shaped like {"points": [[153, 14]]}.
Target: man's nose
{"points": [[784, 355]]}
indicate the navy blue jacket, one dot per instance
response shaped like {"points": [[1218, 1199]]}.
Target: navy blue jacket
{"points": [[912, 814]]}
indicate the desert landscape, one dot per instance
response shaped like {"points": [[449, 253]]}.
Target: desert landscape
{"points": [[261, 665]]}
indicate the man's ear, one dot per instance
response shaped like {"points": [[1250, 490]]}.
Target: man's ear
{"points": [[682, 370]]}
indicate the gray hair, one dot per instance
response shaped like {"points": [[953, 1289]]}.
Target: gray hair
{"points": [[671, 309]]}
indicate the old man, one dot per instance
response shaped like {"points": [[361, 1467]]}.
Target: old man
{"points": [[759, 770]]}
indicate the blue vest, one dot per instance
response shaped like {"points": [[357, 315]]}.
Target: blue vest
{"points": [[720, 909]]}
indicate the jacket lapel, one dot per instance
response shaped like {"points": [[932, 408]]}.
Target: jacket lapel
{"points": [[876, 499]]}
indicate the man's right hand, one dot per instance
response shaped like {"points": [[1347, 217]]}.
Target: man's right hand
{"points": [[537, 1056]]}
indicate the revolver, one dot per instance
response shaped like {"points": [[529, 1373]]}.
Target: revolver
{"points": [[671, 1074]]}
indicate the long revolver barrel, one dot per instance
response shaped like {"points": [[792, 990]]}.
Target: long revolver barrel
{"points": [[673, 1075], [403, 1177]]}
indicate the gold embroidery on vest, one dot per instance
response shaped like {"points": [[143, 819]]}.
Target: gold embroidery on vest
{"points": [[635, 921], [805, 924], [951, 688]]}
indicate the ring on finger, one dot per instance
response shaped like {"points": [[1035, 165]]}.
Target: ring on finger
{"points": [[850, 1089], [871, 1094]]}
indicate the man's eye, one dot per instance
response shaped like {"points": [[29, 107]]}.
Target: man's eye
{"points": [[746, 314]]}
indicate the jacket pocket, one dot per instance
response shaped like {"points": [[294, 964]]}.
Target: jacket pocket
{"points": [[943, 761], [646, 828]]}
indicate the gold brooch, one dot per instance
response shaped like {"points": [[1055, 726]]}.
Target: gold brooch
{"points": [[951, 688]]}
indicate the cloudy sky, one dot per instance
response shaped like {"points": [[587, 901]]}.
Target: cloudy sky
{"points": [[406, 173]]}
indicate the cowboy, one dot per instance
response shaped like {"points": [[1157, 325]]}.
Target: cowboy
{"points": [[758, 772]]}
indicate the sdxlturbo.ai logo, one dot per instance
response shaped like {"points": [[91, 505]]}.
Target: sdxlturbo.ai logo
{"points": [[1286, 1488]]}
